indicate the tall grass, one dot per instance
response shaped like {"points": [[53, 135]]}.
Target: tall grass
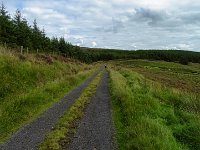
{"points": [[149, 116], [29, 86]]}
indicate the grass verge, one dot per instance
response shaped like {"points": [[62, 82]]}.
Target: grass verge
{"points": [[60, 134], [30, 86], [149, 116]]}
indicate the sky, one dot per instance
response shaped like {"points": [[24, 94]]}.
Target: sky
{"points": [[117, 24]]}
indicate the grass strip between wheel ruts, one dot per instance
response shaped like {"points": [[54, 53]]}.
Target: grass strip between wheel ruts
{"points": [[66, 126]]}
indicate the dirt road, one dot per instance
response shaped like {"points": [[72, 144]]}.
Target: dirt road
{"points": [[95, 130]]}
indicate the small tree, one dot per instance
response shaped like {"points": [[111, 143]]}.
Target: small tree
{"points": [[62, 45]]}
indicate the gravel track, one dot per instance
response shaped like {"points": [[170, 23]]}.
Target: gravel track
{"points": [[95, 130], [31, 135]]}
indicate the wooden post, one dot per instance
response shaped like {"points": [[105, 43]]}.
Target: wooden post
{"points": [[5, 47], [21, 49], [27, 50], [37, 50]]}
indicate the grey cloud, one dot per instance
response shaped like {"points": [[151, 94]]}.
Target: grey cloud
{"points": [[147, 15], [117, 24], [113, 26], [191, 17]]}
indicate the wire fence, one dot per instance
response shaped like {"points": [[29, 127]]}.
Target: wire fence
{"points": [[4, 49]]}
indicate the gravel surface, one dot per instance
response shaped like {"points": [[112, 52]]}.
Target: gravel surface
{"points": [[30, 136], [95, 130]]}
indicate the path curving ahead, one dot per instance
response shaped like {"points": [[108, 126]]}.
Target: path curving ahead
{"points": [[30, 136], [95, 130]]}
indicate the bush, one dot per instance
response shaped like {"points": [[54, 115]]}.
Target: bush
{"points": [[184, 61]]}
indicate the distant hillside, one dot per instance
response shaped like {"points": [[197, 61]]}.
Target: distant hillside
{"points": [[181, 56]]}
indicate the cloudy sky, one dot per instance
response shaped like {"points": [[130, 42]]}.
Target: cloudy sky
{"points": [[121, 24]]}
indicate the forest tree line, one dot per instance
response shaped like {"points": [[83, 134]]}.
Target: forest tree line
{"points": [[16, 32]]}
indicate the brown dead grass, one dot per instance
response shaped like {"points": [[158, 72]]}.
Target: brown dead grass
{"points": [[171, 80]]}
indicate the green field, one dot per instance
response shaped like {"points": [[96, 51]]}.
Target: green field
{"points": [[156, 104]]}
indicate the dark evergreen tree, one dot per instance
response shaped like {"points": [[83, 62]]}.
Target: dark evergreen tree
{"points": [[22, 31], [6, 27], [54, 45], [36, 36], [62, 45], [45, 41]]}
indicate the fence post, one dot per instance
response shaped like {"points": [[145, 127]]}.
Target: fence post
{"points": [[5, 47], [21, 49], [37, 50], [27, 50]]}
